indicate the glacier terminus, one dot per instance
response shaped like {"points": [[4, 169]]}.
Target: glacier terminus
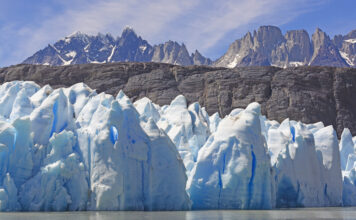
{"points": [[72, 149]]}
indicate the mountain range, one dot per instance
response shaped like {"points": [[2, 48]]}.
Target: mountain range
{"points": [[80, 48], [269, 47], [265, 47]]}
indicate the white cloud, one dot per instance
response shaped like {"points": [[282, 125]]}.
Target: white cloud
{"points": [[200, 24]]}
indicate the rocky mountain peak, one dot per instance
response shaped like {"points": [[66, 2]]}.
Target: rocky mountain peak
{"points": [[347, 47], [171, 52], [80, 48], [320, 38], [299, 36], [325, 52], [351, 34], [128, 32], [247, 41], [199, 59], [268, 37], [105, 37], [267, 46], [76, 34]]}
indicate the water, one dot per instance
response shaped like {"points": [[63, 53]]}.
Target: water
{"points": [[307, 213]]}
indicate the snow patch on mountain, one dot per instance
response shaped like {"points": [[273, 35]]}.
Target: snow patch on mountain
{"points": [[234, 62], [346, 58], [352, 41]]}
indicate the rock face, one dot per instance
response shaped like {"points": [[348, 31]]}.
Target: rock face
{"points": [[308, 94], [347, 47], [325, 53], [79, 48], [268, 47]]}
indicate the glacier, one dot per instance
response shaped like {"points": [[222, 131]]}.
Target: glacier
{"points": [[72, 149], [233, 169]]}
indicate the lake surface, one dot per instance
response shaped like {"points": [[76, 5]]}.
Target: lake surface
{"points": [[307, 213]]}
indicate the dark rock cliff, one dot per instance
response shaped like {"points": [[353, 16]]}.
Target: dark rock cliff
{"points": [[308, 94]]}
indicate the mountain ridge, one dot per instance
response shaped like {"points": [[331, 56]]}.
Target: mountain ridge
{"points": [[266, 46], [269, 47], [80, 48]]}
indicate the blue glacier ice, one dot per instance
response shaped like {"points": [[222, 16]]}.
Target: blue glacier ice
{"points": [[306, 165], [72, 149], [233, 169], [127, 168], [346, 148], [327, 144], [187, 126], [348, 159]]}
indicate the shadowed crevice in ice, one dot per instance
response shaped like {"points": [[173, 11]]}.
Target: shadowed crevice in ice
{"points": [[292, 130], [287, 195], [114, 135], [250, 183], [55, 112]]}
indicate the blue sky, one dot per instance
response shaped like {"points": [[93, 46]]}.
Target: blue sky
{"points": [[207, 25]]}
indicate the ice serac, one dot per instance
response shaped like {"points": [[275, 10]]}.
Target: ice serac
{"points": [[188, 128], [71, 149], [53, 116], [307, 170], [348, 159], [145, 107], [8, 195], [122, 160], [214, 121], [14, 98], [171, 186], [326, 142], [346, 147], [233, 168], [61, 182]]}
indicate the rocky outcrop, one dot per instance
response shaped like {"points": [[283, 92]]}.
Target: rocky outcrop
{"points": [[296, 50], [325, 52], [268, 47], [171, 52], [347, 47], [309, 94]]}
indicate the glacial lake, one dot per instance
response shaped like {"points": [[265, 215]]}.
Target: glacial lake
{"points": [[303, 213]]}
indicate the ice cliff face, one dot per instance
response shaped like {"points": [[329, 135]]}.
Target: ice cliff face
{"points": [[74, 149], [348, 158], [233, 169], [306, 164]]}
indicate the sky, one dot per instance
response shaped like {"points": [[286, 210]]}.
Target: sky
{"points": [[207, 25]]}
